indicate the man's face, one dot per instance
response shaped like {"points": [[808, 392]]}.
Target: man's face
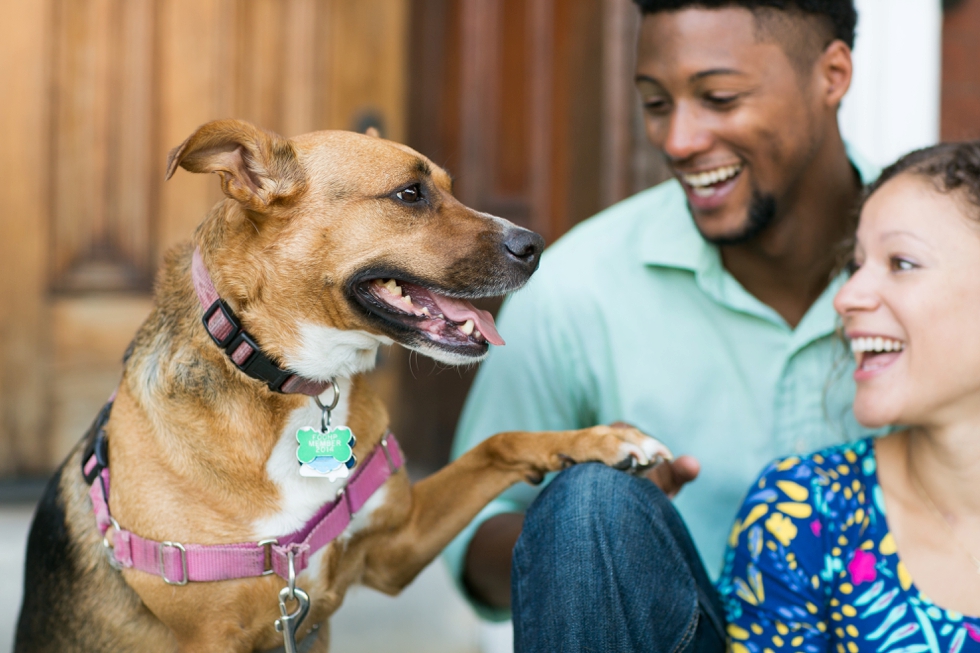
{"points": [[738, 122]]}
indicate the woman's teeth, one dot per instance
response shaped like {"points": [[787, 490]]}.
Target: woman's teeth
{"points": [[876, 344], [701, 182]]}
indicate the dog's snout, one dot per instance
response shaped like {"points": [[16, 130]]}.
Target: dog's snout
{"points": [[524, 246]]}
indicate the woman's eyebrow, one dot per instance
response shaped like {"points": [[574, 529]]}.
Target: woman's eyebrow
{"points": [[898, 233]]}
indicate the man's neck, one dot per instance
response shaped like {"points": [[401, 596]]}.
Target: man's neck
{"points": [[789, 265]]}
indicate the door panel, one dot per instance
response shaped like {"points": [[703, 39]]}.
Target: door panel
{"points": [[104, 89]]}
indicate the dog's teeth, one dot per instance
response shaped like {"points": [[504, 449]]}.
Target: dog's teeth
{"points": [[477, 335], [467, 327], [393, 287], [426, 312], [407, 299]]}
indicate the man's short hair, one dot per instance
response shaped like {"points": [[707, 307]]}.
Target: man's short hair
{"points": [[838, 15]]}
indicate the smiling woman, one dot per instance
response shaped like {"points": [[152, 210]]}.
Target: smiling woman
{"points": [[875, 545]]}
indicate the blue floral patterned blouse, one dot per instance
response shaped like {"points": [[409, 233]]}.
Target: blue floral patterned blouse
{"points": [[811, 566]]}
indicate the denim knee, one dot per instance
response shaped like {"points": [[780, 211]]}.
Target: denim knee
{"points": [[597, 495]]}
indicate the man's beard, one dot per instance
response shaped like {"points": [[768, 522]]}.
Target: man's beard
{"points": [[761, 213]]}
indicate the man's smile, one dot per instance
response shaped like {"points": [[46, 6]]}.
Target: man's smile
{"points": [[708, 189]]}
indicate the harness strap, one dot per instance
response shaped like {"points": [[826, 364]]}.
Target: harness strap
{"points": [[179, 563], [226, 330]]}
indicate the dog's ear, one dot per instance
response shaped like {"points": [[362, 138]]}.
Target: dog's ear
{"points": [[257, 168]]}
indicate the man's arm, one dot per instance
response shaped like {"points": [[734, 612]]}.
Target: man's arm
{"points": [[486, 570]]}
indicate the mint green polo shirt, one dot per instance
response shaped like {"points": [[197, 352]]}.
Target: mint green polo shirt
{"points": [[632, 317]]}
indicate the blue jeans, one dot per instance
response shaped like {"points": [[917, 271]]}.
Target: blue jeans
{"points": [[605, 564]]}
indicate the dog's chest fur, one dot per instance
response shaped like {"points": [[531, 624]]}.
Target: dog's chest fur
{"points": [[300, 496]]}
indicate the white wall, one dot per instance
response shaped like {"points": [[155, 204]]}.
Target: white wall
{"points": [[893, 104]]}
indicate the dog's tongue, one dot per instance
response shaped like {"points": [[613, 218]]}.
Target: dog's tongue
{"points": [[460, 310]]}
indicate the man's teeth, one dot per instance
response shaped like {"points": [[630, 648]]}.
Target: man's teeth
{"points": [[701, 180], [876, 344], [467, 327]]}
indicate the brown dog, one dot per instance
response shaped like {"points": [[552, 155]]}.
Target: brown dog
{"points": [[317, 248]]}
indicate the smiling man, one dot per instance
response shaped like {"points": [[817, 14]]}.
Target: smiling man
{"points": [[700, 311]]}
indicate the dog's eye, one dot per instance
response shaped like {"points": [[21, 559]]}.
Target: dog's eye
{"points": [[410, 195]]}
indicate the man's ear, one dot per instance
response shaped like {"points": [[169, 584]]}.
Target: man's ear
{"points": [[835, 68], [257, 168]]}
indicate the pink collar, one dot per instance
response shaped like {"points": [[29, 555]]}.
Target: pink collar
{"points": [[179, 563], [225, 329]]}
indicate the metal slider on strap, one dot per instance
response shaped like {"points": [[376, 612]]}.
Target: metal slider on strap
{"points": [[267, 561], [183, 562], [384, 447]]}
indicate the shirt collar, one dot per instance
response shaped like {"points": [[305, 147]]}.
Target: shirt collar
{"points": [[671, 240]]}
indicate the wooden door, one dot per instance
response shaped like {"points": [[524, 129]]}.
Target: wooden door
{"points": [[530, 105], [95, 94]]}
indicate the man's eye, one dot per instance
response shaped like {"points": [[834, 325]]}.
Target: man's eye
{"points": [[656, 106], [720, 100], [899, 264], [411, 194]]}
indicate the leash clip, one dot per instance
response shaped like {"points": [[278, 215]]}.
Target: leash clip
{"points": [[289, 622]]}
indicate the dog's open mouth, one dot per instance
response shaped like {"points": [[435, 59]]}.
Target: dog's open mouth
{"points": [[452, 323]]}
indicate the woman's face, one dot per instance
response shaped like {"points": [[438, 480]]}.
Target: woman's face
{"points": [[911, 310]]}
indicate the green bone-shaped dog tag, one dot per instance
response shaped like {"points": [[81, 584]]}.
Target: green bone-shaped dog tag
{"points": [[334, 443]]}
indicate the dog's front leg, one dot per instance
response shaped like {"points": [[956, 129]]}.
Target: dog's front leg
{"points": [[440, 506]]}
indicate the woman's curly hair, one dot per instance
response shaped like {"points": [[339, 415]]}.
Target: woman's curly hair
{"points": [[950, 166]]}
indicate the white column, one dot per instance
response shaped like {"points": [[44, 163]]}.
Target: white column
{"points": [[893, 104]]}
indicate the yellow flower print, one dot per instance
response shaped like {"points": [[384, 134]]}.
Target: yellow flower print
{"points": [[794, 491], [887, 545], [798, 510], [904, 577], [782, 528]]}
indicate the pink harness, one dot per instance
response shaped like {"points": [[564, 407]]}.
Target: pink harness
{"points": [[176, 562], [179, 563]]}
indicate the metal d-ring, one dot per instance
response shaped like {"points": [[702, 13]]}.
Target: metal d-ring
{"points": [[109, 549], [292, 576], [326, 410]]}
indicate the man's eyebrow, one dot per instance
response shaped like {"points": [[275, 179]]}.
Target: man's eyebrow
{"points": [[701, 74], [646, 78]]}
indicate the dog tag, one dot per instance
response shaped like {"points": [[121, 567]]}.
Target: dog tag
{"points": [[326, 453]]}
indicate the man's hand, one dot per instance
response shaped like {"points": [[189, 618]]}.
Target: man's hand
{"points": [[670, 476]]}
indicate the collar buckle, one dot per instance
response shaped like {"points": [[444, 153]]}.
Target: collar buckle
{"points": [[229, 315]]}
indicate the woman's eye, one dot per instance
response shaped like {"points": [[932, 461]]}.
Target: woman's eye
{"points": [[899, 264], [410, 195], [852, 266]]}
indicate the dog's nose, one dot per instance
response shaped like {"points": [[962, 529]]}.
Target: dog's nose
{"points": [[525, 246]]}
